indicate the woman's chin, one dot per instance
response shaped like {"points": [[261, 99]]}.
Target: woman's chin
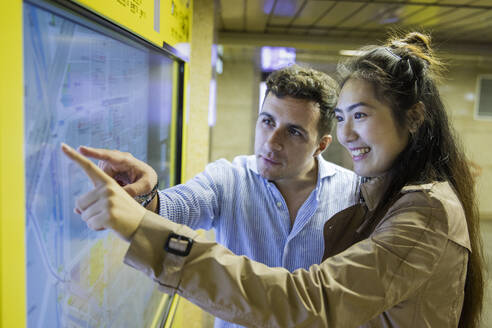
{"points": [[364, 172]]}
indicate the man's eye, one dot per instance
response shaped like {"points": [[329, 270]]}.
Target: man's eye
{"points": [[294, 132], [359, 115], [267, 121], [339, 118]]}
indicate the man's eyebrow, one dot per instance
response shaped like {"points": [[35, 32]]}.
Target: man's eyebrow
{"points": [[295, 126], [353, 106], [266, 114]]}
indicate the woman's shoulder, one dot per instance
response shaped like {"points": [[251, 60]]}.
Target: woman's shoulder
{"points": [[438, 195], [438, 204]]}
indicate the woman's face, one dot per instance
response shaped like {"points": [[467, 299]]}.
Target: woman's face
{"points": [[367, 128]]}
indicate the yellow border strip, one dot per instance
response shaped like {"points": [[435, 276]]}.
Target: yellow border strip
{"points": [[120, 14], [12, 207], [160, 311], [186, 115], [172, 311], [174, 118]]}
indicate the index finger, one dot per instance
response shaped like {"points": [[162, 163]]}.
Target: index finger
{"points": [[108, 159], [97, 153], [111, 161], [96, 175]]}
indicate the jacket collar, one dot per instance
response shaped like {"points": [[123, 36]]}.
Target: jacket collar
{"points": [[422, 187], [373, 190]]}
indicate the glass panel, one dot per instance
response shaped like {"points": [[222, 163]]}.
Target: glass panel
{"points": [[86, 85]]}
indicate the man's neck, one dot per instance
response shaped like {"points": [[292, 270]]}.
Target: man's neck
{"points": [[301, 182], [296, 191]]}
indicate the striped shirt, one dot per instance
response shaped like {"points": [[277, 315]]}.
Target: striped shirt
{"points": [[250, 216]]}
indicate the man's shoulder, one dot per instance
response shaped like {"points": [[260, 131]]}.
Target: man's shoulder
{"points": [[238, 162], [245, 161], [239, 166]]}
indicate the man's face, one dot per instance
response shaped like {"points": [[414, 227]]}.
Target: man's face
{"points": [[287, 139]]}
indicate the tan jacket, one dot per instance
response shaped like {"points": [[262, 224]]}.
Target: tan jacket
{"points": [[409, 272]]}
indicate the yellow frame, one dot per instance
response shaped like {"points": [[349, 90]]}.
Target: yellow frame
{"points": [[186, 115], [158, 318], [12, 207], [174, 118]]}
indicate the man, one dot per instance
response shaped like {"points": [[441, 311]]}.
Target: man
{"points": [[270, 206]]}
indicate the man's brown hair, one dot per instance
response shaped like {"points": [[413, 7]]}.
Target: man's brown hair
{"points": [[309, 84]]}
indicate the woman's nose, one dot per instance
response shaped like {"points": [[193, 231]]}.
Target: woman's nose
{"points": [[346, 132]]}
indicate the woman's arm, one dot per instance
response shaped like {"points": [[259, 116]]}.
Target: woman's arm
{"points": [[345, 290]]}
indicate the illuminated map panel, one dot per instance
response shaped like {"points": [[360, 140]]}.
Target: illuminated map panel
{"points": [[85, 85]]}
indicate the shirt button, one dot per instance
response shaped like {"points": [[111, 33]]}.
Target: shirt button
{"points": [[279, 204]]}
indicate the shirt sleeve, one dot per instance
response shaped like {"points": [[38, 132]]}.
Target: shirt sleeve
{"points": [[196, 202], [348, 289]]}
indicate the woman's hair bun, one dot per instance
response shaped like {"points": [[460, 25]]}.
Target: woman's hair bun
{"points": [[412, 39], [416, 46]]}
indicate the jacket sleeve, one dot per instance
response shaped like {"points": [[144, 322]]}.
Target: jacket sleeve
{"points": [[345, 290]]}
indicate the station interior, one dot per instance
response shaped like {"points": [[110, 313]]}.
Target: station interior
{"points": [[231, 47]]}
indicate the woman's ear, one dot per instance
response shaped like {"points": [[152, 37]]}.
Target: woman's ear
{"points": [[415, 117]]}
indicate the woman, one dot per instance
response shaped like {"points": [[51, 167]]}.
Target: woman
{"points": [[409, 255]]}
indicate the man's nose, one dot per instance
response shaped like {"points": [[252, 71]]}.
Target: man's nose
{"points": [[275, 140]]}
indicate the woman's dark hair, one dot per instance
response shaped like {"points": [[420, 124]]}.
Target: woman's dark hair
{"points": [[404, 74]]}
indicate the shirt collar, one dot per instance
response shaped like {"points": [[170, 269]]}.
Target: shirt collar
{"points": [[324, 167], [251, 164]]}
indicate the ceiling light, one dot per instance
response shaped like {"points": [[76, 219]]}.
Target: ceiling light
{"points": [[351, 52]]}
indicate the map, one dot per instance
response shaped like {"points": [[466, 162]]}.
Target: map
{"points": [[86, 86]]}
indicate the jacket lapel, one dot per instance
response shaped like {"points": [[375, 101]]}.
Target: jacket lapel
{"points": [[340, 232]]}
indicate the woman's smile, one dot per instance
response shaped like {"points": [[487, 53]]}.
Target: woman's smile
{"points": [[367, 129], [359, 153]]}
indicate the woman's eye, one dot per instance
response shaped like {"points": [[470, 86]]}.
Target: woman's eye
{"points": [[339, 118], [359, 115]]}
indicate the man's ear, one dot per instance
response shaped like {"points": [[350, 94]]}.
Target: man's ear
{"points": [[415, 117], [324, 142]]}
